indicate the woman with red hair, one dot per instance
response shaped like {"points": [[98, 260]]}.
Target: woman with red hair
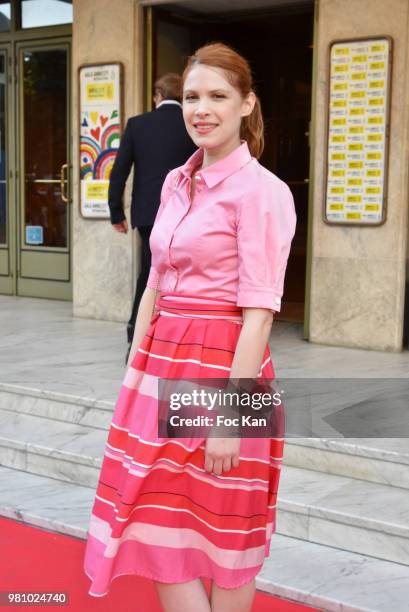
{"points": [[175, 509]]}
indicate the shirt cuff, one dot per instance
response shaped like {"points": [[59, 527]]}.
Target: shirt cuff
{"points": [[259, 297], [153, 277], [117, 215]]}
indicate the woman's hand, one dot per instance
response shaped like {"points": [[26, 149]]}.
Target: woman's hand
{"points": [[221, 454], [143, 320], [121, 227]]}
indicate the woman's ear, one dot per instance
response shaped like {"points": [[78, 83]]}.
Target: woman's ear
{"points": [[248, 104]]}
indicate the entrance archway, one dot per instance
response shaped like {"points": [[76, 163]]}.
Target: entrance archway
{"points": [[278, 42]]}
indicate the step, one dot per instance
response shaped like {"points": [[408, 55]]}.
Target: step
{"points": [[308, 573], [318, 507], [354, 515], [45, 502], [52, 448], [58, 406], [381, 460]]}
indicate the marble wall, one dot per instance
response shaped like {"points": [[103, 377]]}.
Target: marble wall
{"points": [[358, 273], [104, 261]]}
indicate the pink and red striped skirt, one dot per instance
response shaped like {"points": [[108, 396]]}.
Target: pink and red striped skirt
{"points": [[157, 513]]}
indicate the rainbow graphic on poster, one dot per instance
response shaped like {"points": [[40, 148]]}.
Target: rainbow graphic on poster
{"points": [[100, 134]]}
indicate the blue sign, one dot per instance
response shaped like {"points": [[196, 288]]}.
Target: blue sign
{"points": [[34, 234]]}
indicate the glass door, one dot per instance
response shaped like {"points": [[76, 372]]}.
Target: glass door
{"points": [[44, 170]]}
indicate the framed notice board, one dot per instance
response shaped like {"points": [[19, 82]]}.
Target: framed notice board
{"points": [[358, 131], [100, 120]]}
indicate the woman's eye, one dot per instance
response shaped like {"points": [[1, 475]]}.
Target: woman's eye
{"points": [[192, 97]]}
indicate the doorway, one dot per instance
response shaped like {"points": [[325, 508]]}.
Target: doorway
{"points": [[279, 46], [35, 216]]}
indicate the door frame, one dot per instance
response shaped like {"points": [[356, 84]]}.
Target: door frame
{"points": [[148, 8], [8, 281], [24, 287], [9, 41], [313, 145]]}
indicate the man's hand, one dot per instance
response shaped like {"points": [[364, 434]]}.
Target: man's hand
{"points": [[121, 227], [221, 454]]}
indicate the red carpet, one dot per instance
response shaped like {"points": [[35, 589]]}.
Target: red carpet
{"points": [[37, 560]]}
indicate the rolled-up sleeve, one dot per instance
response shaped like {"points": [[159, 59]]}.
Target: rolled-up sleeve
{"points": [[153, 277], [265, 229]]}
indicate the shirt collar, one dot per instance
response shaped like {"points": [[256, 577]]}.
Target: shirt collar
{"points": [[169, 102], [218, 171]]}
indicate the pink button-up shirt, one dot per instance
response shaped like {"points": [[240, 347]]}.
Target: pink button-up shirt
{"points": [[233, 240]]}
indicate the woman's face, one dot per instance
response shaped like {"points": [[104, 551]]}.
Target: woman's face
{"points": [[213, 108]]}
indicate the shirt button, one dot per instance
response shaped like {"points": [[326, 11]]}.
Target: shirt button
{"points": [[198, 177]]}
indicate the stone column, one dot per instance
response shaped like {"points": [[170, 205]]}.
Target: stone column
{"points": [[104, 261], [358, 273]]}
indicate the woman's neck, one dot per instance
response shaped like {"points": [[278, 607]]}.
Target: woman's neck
{"points": [[211, 156]]}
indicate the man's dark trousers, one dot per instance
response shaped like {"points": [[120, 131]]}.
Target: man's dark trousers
{"points": [[144, 233], [155, 143]]}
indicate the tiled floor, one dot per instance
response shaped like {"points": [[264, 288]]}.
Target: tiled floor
{"points": [[43, 346]]}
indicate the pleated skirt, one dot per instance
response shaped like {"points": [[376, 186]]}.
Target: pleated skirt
{"points": [[157, 513]]}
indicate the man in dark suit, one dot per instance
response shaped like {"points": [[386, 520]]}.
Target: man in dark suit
{"points": [[155, 142]]}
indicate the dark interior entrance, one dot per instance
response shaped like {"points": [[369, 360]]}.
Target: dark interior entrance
{"points": [[278, 46]]}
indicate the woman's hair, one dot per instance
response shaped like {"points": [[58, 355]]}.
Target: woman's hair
{"points": [[169, 86], [238, 73]]}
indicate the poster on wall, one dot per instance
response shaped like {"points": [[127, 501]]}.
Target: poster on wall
{"points": [[100, 132], [358, 131]]}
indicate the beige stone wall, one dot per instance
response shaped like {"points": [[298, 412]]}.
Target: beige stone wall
{"points": [[358, 273], [105, 261]]}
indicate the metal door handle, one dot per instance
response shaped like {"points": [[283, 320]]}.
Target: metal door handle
{"points": [[43, 181], [63, 182]]}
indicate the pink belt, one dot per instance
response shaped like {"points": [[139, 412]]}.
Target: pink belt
{"points": [[190, 305]]}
